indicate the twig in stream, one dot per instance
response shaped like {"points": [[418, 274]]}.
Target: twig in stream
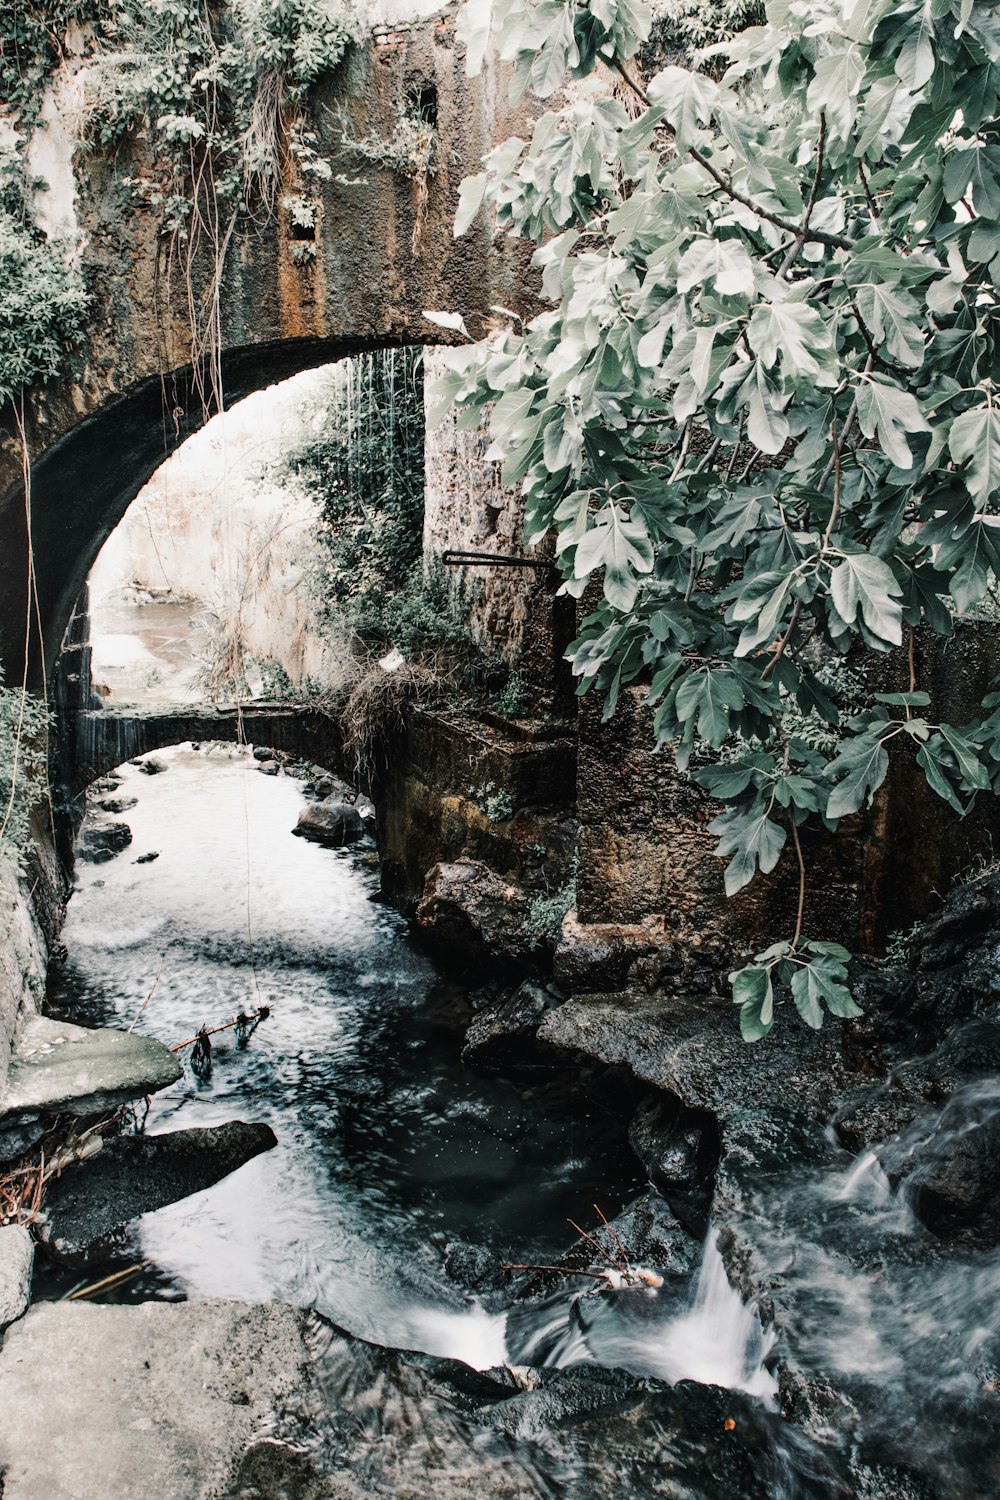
{"points": [[109, 1281], [149, 997], [611, 1230], [599, 1248], [242, 1020]]}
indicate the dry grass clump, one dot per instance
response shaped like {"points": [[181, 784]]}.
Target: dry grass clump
{"points": [[374, 714]]}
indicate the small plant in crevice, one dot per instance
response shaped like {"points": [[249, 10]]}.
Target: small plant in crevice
{"points": [[496, 802], [899, 943]]}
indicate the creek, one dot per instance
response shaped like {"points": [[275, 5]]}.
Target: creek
{"points": [[394, 1163], [400, 1174]]}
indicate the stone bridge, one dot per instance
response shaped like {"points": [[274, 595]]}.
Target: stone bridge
{"points": [[380, 255], [105, 739]]}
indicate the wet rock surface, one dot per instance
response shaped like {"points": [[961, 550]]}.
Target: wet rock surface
{"points": [[332, 824], [222, 1400], [57, 1068], [137, 1174], [503, 1030], [475, 920], [17, 1254], [100, 842]]}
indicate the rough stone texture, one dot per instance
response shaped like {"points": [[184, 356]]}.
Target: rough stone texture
{"points": [[646, 852], [133, 1175], [503, 1031], [220, 1401], [59, 1068], [17, 1255], [692, 1050], [679, 1151], [100, 842], [473, 919], [332, 824], [155, 1400], [512, 611], [97, 436], [30, 910], [434, 802]]}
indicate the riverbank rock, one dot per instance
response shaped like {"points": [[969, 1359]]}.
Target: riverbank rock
{"points": [[99, 842], [474, 920], [949, 1168], [503, 1031], [17, 1255], [679, 1152], [691, 1048], [223, 1401], [117, 804], [57, 1068], [332, 824], [136, 1174]]}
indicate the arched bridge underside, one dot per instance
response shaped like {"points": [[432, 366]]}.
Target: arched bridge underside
{"points": [[382, 253], [106, 739]]}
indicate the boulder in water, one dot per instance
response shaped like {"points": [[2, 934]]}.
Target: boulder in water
{"points": [[99, 842], [474, 919], [332, 824], [117, 804], [136, 1174], [150, 767], [503, 1031]]}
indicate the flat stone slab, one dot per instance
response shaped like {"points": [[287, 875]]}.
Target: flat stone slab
{"points": [[17, 1254], [692, 1048], [224, 1401], [59, 1068], [136, 1174], [155, 1400]]}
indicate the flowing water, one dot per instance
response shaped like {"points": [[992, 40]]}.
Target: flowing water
{"points": [[397, 1169], [390, 1153]]}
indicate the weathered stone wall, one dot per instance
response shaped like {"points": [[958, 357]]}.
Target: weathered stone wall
{"points": [[649, 885], [510, 610], [458, 787], [30, 907]]}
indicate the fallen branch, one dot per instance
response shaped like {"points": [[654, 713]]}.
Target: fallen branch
{"points": [[242, 1020]]}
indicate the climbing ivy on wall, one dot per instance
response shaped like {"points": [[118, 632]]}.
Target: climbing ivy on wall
{"points": [[208, 86], [22, 767], [760, 406], [42, 299]]}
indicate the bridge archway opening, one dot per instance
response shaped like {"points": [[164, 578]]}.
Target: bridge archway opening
{"points": [[82, 486]]}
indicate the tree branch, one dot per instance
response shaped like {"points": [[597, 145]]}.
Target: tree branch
{"points": [[817, 236]]}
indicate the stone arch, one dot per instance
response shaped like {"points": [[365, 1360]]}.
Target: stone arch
{"points": [[383, 252], [84, 483]]}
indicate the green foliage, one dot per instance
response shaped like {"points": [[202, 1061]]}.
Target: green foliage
{"points": [[305, 39], [546, 911], [23, 722], [496, 803], [760, 406], [207, 86], [898, 944], [42, 298], [366, 471], [32, 42]]}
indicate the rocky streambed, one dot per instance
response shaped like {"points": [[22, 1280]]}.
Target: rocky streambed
{"points": [[818, 1212]]}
